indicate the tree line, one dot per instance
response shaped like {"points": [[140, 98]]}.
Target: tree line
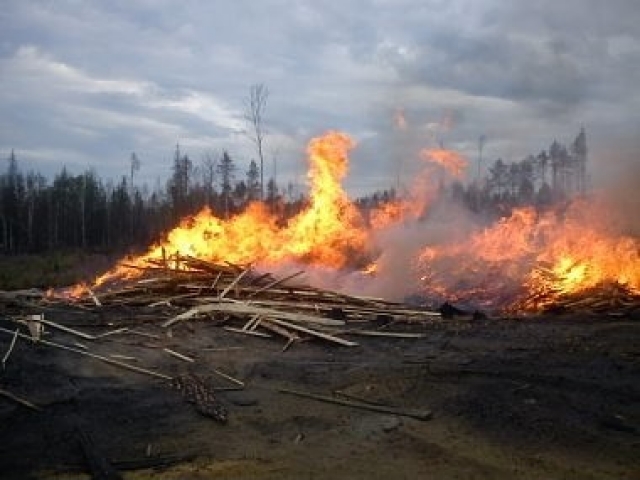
{"points": [[551, 176], [82, 211]]}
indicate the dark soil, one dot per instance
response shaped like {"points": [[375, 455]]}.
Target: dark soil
{"points": [[553, 398]]}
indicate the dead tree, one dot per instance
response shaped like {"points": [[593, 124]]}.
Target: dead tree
{"points": [[256, 105]]}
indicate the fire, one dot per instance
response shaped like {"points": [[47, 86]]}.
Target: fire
{"points": [[524, 261], [387, 214], [329, 232], [533, 257], [453, 162]]}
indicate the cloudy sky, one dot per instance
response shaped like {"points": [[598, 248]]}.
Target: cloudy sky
{"points": [[85, 83]]}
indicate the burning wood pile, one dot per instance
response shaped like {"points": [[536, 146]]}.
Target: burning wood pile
{"points": [[248, 302], [611, 298]]}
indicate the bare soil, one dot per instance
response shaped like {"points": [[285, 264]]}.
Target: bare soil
{"points": [[553, 398]]}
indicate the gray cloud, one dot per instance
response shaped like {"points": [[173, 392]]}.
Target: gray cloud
{"points": [[86, 83]]}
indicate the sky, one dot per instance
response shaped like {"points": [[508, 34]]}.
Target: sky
{"points": [[85, 83]]}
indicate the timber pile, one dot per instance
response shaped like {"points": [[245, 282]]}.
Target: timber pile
{"points": [[612, 299], [248, 302]]}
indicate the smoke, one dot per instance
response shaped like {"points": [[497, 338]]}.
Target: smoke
{"points": [[398, 274], [428, 217], [617, 181]]}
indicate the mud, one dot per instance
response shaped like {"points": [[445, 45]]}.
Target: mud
{"points": [[553, 398]]}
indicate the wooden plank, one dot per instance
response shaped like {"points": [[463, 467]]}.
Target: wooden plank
{"points": [[417, 414], [234, 283], [314, 333], [275, 282], [381, 333], [253, 333], [242, 308], [20, 400], [178, 355], [104, 359]]}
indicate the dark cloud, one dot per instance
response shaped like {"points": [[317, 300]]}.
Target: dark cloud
{"points": [[92, 81]]}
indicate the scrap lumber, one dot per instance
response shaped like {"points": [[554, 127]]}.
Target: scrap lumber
{"points": [[102, 358], [20, 400], [233, 284], [178, 355], [93, 297], [63, 328], [247, 309], [275, 283], [382, 333], [179, 287], [246, 332], [277, 329], [610, 298], [10, 349], [412, 413], [228, 377], [315, 333]]}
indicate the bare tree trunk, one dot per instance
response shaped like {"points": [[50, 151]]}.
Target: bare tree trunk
{"points": [[255, 109]]}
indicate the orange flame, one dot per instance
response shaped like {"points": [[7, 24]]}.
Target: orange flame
{"points": [[453, 162], [547, 254], [328, 232], [527, 259]]}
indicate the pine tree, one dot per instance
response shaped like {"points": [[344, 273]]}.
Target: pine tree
{"points": [[226, 171], [253, 182]]}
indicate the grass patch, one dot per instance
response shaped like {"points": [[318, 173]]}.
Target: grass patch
{"points": [[57, 269]]}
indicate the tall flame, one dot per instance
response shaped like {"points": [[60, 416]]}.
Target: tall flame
{"points": [[328, 232], [528, 258]]}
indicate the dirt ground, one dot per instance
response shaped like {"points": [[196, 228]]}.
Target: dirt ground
{"points": [[552, 398]]}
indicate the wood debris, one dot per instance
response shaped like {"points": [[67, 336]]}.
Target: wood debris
{"points": [[413, 413], [20, 400], [243, 300], [195, 390], [612, 299]]}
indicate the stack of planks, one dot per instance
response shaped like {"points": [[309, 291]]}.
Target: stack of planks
{"points": [[249, 302]]}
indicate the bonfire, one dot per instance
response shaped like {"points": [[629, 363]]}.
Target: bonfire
{"points": [[527, 262]]}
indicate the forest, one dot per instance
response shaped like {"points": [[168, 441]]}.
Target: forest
{"points": [[87, 213]]}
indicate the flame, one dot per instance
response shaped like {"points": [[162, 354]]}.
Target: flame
{"points": [[371, 269], [526, 260], [328, 232], [387, 214], [535, 256], [453, 162]]}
